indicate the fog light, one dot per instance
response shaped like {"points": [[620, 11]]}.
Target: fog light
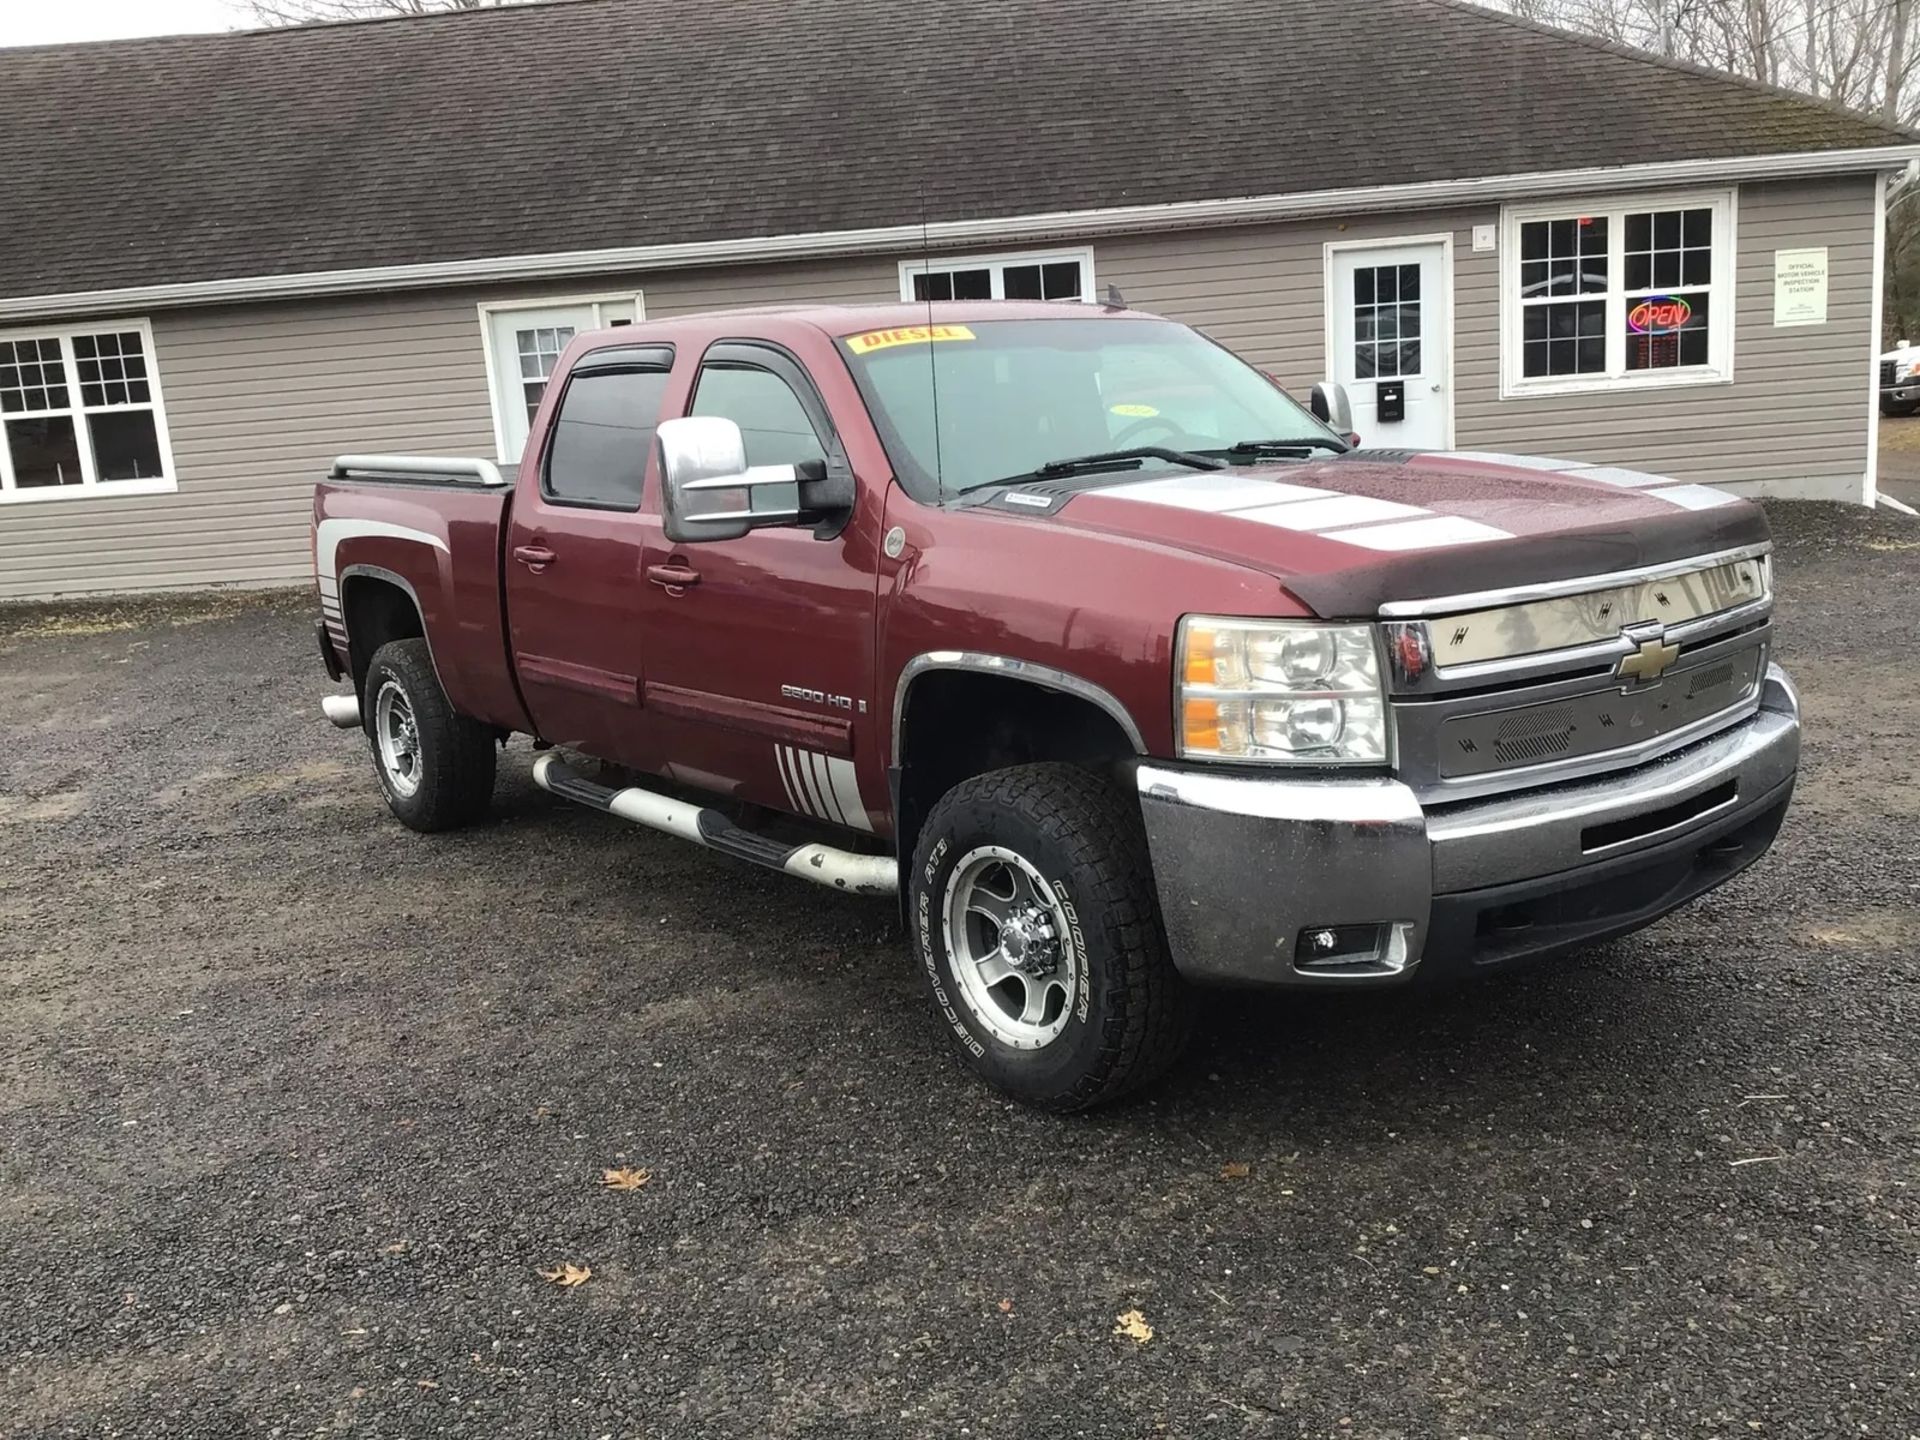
{"points": [[1325, 947]]}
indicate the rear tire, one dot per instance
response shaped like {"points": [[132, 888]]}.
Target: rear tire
{"points": [[434, 764], [1033, 910]]}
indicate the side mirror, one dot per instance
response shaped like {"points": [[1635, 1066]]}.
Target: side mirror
{"points": [[709, 492], [1331, 407]]}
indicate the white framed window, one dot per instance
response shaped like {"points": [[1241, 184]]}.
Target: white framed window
{"points": [[1035, 275], [80, 412], [1623, 294], [524, 339]]}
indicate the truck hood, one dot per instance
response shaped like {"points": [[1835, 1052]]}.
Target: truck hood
{"points": [[1352, 532]]}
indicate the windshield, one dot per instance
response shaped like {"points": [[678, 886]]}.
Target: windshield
{"points": [[1015, 395]]}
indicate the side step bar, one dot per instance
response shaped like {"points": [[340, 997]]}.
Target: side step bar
{"points": [[823, 865]]}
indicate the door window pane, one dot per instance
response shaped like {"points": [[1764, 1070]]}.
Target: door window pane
{"points": [[45, 451], [1386, 321], [770, 416], [603, 436], [126, 445]]}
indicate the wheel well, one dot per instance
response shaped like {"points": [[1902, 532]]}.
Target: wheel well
{"points": [[960, 723], [376, 612]]}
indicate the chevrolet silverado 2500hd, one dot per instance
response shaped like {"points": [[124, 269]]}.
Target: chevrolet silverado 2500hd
{"points": [[1125, 672]]}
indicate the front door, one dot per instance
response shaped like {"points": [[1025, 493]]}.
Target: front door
{"points": [[759, 675], [1392, 318]]}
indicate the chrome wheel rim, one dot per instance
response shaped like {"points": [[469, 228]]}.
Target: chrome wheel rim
{"points": [[396, 737], [1011, 948]]}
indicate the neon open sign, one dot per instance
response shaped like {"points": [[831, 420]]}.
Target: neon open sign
{"points": [[1658, 314]]}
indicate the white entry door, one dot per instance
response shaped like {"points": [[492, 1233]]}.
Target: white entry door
{"points": [[1391, 314], [523, 343]]}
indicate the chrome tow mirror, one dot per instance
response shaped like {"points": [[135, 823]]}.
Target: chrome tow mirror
{"points": [[1331, 407]]}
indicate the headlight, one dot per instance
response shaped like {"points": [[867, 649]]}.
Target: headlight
{"points": [[1280, 691]]}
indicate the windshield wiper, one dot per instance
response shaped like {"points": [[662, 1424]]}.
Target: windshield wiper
{"points": [[1106, 460], [1257, 448]]}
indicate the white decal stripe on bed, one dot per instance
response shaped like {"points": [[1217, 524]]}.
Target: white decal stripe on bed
{"points": [[1431, 533], [328, 534]]}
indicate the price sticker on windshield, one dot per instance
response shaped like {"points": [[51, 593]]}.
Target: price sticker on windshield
{"points": [[867, 343]]}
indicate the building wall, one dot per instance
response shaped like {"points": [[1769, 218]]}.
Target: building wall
{"points": [[260, 398]]}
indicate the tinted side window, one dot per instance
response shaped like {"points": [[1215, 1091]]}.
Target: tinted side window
{"points": [[769, 414], [603, 436]]}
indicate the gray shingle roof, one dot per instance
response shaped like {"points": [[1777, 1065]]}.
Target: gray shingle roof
{"points": [[602, 123]]}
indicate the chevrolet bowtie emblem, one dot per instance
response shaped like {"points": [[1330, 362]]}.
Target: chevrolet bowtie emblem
{"points": [[1647, 663]]}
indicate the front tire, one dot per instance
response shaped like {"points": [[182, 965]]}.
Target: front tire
{"points": [[1899, 409], [1033, 910], [434, 764]]}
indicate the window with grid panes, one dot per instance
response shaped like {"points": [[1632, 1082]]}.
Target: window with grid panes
{"points": [[80, 412], [1013, 277], [1626, 294]]}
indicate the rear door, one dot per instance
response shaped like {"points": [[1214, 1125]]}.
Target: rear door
{"points": [[759, 675], [573, 561]]}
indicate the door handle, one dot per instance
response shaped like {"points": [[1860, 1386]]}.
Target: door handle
{"points": [[673, 577], [534, 557]]}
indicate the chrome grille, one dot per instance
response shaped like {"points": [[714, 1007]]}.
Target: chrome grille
{"points": [[1536, 715], [1490, 733]]}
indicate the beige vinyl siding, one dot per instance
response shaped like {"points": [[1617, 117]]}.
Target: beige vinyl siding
{"points": [[1793, 420], [260, 398]]}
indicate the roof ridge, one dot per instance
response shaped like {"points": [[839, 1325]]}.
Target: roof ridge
{"points": [[1667, 62]]}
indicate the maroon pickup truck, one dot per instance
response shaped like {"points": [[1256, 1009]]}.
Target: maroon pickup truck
{"points": [[1124, 671]]}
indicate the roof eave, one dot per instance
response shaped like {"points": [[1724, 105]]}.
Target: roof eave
{"points": [[962, 234]]}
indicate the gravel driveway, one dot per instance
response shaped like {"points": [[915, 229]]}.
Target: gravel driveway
{"points": [[295, 1107]]}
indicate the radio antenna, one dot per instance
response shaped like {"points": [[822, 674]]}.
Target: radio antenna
{"points": [[933, 367]]}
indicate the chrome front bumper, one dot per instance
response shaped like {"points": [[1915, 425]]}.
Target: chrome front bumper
{"points": [[1248, 867]]}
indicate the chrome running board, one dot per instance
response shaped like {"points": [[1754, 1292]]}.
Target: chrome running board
{"points": [[823, 865]]}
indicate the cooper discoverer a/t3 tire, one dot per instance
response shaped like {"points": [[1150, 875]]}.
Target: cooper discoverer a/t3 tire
{"points": [[435, 765], [1032, 908]]}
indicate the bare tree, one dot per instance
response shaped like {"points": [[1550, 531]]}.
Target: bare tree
{"points": [[308, 12]]}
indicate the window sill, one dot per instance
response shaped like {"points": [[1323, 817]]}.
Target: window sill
{"points": [[106, 490], [1611, 384]]}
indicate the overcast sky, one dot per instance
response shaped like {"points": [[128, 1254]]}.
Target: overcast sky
{"points": [[46, 22]]}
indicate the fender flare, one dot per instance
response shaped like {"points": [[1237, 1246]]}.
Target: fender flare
{"points": [[1045, 676]]}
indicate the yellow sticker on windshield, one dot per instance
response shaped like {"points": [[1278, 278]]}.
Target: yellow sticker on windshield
{"points": [[1136, 412], [906, 335]]}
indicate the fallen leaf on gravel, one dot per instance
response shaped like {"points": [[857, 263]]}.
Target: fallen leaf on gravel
{"points": [[1006, 1307], [568, 1276], [428, 1384], [625, 1178], [1134, 1326], [1235, 1170], [394, 1249]]}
